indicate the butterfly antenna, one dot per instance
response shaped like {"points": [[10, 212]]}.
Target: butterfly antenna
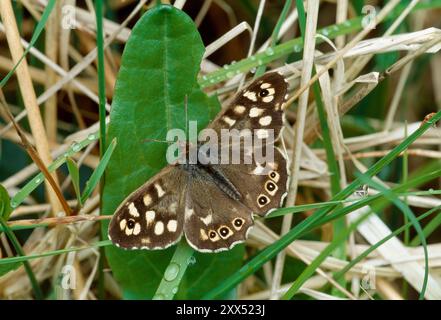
{"points": [[157, 140]]}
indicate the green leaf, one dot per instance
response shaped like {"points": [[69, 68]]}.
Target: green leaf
{"points": [[75, 176], [97, 174], [5, 204], [159, 68]]}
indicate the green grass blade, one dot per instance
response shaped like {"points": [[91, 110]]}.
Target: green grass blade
{"points": [[5, 203], [38, 29], [53, 252], [16, 244], [310, 269], [101, 74], [427, 230], [375, 246], [74, 173], [174, 272], [98, 173], [270, 251], [409, 214], [21, 195]]}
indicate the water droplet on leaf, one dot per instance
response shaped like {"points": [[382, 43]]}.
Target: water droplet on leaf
{"points": [[171, 272], [191, 260], [76, 147], [269, 51]]}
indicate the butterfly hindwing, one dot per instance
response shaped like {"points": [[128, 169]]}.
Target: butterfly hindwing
{"points": [[214, 219], [269, 183]]}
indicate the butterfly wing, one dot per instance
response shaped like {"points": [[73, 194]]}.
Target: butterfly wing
{"points": [[262, 188], [152, 216], [259, 106], [214, 220], [223, 197]]}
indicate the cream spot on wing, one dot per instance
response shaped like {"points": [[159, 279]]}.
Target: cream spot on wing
{"points": [[271, 91], [265, 121], [145, 240], [207, 220], [259, 170], [239, 109], [159, 228], [268, 99], [228, 121], [129, 231], [286, 96], [172, 225], [150, 216], [245, 133], [188, 213], [250, 95], [265, 85], [203, 234], [172, 207], [122, 224], [255, 112], [133, 211], [262, 134], [137, 229], [147, 200], [159, 190]]}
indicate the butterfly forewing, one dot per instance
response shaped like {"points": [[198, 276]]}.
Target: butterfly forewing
{"points": [[259, 106], [151, 217]]}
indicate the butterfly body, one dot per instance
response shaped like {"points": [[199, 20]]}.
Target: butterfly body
{"points": [[212, 203]]}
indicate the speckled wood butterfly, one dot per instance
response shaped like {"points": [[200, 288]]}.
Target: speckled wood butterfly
{"points": [[212, 204]]}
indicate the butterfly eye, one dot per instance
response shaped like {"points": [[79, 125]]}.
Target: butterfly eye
{"points": [[225, 232], [262, 200], [270, 186], [274, 176], [263, 93], [212, 234], [238, 223], [131, 224]]}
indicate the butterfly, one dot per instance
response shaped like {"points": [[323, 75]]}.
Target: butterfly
{"points": [[211, 204]]}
